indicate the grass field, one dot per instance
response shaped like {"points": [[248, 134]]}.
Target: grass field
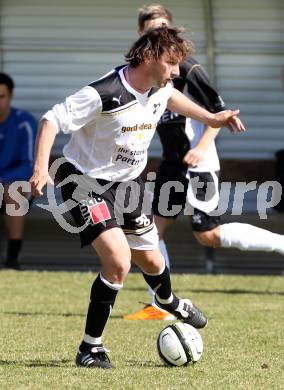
{"points": [[42, 318]]}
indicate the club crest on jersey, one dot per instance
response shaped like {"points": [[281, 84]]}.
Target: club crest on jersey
{"points": [[94, 211], [156, 107]]}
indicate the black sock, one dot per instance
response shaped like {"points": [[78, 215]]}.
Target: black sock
{"points": [[13, 250], [102, 299], [161, 284]]}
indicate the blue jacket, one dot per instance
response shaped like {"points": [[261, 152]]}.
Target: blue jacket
{"points": [[17, 140]]}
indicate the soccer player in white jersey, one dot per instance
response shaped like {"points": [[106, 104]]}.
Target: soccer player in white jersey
{"points": [[112, 122], [189, 149]]}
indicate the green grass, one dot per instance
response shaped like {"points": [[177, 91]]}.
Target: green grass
{"points": [[42, 317]]}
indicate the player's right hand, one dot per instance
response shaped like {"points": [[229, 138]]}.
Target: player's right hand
{"points": [[38, 181]]}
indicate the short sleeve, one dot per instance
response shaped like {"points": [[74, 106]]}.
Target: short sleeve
{"points": [[76, 112]]}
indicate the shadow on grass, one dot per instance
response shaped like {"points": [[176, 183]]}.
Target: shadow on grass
{"points": [[142, 289], [20, 313], [66, 362], [233, 291], [23, 314], [210, 291], [36, 363], [147, 363]]}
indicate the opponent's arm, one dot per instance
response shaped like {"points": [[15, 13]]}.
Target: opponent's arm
{"points": [[195, 155], [184, 106], [44, 141]]}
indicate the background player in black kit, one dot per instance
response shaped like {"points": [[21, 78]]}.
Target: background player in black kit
{"points": [[128, 97], [189, 149]]}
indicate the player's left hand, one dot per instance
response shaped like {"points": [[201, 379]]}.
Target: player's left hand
{"points": [[228, 118], [236, 125], [194, 156]]}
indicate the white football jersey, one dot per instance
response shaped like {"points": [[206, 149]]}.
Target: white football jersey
{"points": [[111, 126]]}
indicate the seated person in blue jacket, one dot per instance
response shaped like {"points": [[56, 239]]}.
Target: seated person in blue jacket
{"points": [[17, 139]]}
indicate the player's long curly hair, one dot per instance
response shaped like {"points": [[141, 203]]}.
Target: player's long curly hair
{"points": [[158, 41]]}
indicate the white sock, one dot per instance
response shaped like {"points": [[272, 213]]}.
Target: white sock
{"points": [[113, 286], [165, 301], [164, 251], [92, 340], [250, 238]]}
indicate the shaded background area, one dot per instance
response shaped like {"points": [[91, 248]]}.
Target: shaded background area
{"points": [[52, 49], [48, 247]]}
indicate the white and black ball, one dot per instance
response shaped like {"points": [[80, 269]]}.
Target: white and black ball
{"points": [[179, 344]]}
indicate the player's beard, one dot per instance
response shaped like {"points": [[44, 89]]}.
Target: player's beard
{"points": [[162, 83]]}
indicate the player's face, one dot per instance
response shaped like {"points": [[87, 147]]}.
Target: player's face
{"points": [[5, 101], [154, 23], [165, 69]]}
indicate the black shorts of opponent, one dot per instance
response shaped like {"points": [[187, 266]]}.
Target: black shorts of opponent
{"points": [[165, 200]]}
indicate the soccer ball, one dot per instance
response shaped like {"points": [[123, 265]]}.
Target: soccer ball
{"points": [[179, 344]]}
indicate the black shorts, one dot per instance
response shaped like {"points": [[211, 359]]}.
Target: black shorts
{"points": [[168, 199], [102, 205]]}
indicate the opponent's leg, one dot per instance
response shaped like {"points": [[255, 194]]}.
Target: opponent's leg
{"points": [[250, 238], [162, 225], [242, 236]]}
